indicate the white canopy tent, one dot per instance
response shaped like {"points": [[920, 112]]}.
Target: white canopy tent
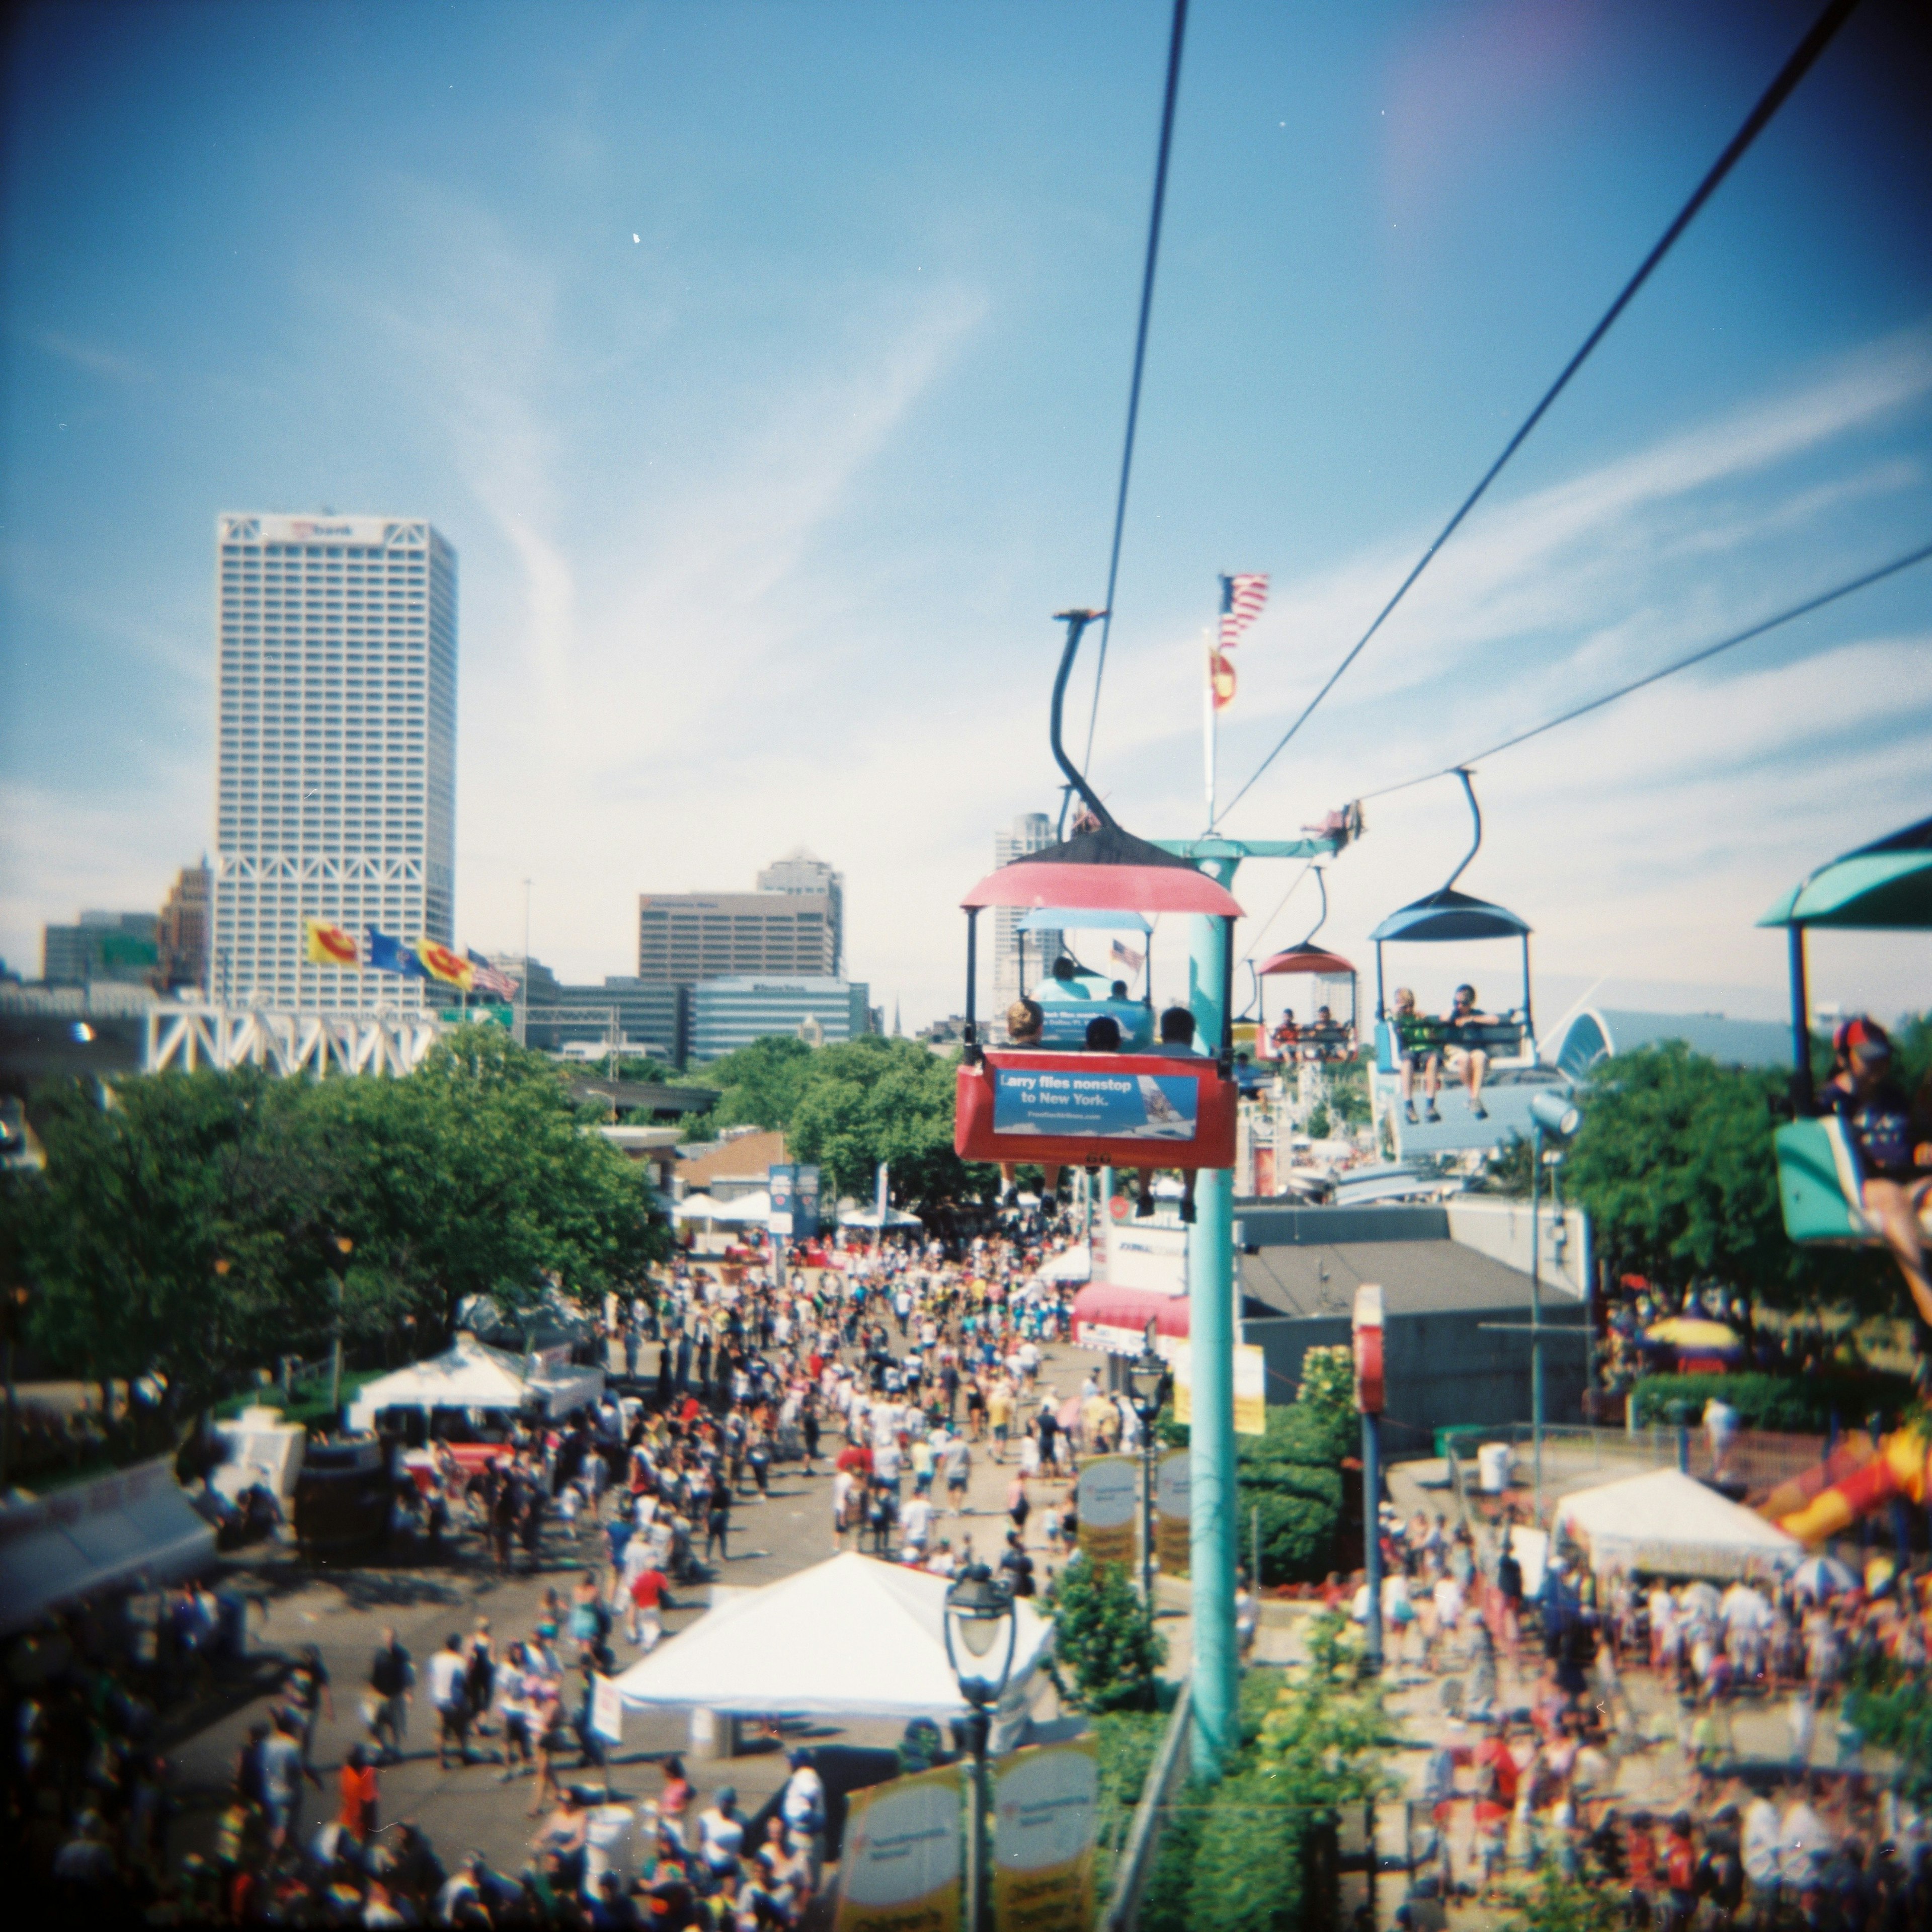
{"points": [[472, 1375], [871, 1217], [852, 1637], [1669, 1524], [1073, 1264]]}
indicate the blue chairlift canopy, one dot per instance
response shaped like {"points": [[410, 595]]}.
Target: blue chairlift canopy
{"points": [[1449, 914], [1078, 919], [1885, 886]]}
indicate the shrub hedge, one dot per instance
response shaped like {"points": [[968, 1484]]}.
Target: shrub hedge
{"points": [[1802, 1405]]}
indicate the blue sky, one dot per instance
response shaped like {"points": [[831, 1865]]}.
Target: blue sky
{"points": [[767, 365]]}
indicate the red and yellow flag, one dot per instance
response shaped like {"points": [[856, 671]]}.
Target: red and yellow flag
{"points": [[330, 945], [440, 963]]}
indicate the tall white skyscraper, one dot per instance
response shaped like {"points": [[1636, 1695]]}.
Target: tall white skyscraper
{"points": [[1031, 832], [336, 796]]}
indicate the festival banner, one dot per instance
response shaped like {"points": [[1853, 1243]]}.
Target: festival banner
{"points": [[1173, 1517], [1250, 1387], [1104, 1502], [326, 945], [900, 1871], [1045, 1811], [1103, 1106]]}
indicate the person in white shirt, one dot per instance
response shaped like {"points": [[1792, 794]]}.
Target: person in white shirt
{"points": [[1762, 1834], [449, 1692], [802, 1805], [915, 1521], [1803, 1843]]}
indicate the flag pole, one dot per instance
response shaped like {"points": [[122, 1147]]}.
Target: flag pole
{"points": [[1210, 727]]}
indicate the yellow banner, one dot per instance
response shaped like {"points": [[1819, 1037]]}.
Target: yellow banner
{"points": [[1045, 1808], [1105, 1502], [901, 1868], [1250, 1388], [1173, 1520]]}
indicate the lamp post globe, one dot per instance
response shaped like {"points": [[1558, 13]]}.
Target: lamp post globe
{"points": [[981, 1624]]}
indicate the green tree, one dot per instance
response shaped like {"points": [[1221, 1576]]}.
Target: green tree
{"points": [[1102, 1640], [759, 1085], [1553, 1903], [876, 1098], [1674, 1164]]}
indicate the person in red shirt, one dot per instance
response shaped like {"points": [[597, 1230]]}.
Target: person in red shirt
{"points": [[1496, 1777], [359, 1794], [650, 1594]]}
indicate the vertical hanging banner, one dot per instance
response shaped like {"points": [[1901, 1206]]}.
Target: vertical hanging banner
{"points": [[1105, 1500], [1250, 1387], [1173, 1517], [1046, 1810], [904, 1842]]}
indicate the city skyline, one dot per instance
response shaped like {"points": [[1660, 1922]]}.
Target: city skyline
{"points": [[769, 377]]}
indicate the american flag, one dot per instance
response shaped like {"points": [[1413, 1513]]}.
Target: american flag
{"points": [[1242, 598], [488, 979], [1126, 956]]}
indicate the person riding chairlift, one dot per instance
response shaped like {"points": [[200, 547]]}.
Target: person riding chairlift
{"points": [[1893, 1136], [1411, 1053], [1471, 1062], [1025, 1020]]}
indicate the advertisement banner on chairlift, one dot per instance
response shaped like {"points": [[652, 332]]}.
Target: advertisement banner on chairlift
{"points": [[1064, 1023], [1096, 1106]]}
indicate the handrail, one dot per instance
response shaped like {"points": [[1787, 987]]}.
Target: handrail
{"points": [[1130, 1875]]}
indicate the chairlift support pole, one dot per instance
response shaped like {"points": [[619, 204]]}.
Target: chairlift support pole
{"points": [[1215, 1533]]}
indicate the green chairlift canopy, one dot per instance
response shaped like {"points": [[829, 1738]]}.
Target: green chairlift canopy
{"points": [[1884, 885]]}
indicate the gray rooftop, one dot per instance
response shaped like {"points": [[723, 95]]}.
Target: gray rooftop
{"points": [[1417, 1277]]}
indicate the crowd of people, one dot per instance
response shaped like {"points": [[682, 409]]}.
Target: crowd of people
{"points": [[913, 1357]]}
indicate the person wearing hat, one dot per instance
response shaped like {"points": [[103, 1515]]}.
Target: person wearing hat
{"points": [[1893, 1137]]}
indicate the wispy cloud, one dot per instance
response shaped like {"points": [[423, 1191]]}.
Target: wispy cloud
{"points": [[91, 358]]}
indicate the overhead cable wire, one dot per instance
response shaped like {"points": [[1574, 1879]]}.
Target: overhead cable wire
{"points": [[1178, 34], [1709, 651], [1794, 70], [1255, 944]]}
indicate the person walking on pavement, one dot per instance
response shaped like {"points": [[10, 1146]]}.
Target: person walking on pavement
{"points": [[391, 1681], [449, 1692]]}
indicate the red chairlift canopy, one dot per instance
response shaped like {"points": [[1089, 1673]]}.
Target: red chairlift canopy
{"points": [[1305, 959], [1109, 870]]}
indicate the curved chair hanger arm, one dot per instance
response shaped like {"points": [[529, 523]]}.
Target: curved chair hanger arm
{"points": [[1476, 813], [1076, 623], [1321, 887]]}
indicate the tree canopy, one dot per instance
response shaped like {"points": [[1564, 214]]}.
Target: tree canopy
{"points": [[195, 1225], [1674, 1164]]}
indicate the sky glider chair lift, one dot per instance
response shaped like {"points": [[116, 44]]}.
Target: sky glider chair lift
{"points": [[1084, 1108], [1883, 887]]}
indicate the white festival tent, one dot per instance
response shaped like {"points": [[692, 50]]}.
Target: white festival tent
{"points": [[749, 1211], [1669, 1524], [1074, 1264], [871, 1217], [471, 1374], [852, 1637]]}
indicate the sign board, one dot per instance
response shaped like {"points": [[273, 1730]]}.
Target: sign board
{"points": [[1106, 1502], [901, 1869], [1367, 1327], [484, 1015], [1173, 1520], [1096, 1106], [607, 1709], [1250, 1387], [794, 1191], [1063, 1022], [1145, 1254], [1046, 1816]]}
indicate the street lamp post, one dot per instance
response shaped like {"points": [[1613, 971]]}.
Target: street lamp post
{"points": [[345, 1246], [981, 1625], [1559, 1118], [1147, 1378]]}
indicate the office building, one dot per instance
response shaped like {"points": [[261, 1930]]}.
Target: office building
{"points": [[111, 946], [336, 794], [803, 873], [642, 1018], [684, 937], [182, 937], [1030, 832], [727, 1014]]}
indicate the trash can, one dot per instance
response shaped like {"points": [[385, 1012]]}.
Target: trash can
{"points": [[1494, 1463]]}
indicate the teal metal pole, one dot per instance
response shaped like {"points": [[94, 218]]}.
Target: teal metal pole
{"points": [[1216, 1527]]}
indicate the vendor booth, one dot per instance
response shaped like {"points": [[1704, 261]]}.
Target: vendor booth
{"points": [[1667, 1524], [851, 1637], [471, 1387]]}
